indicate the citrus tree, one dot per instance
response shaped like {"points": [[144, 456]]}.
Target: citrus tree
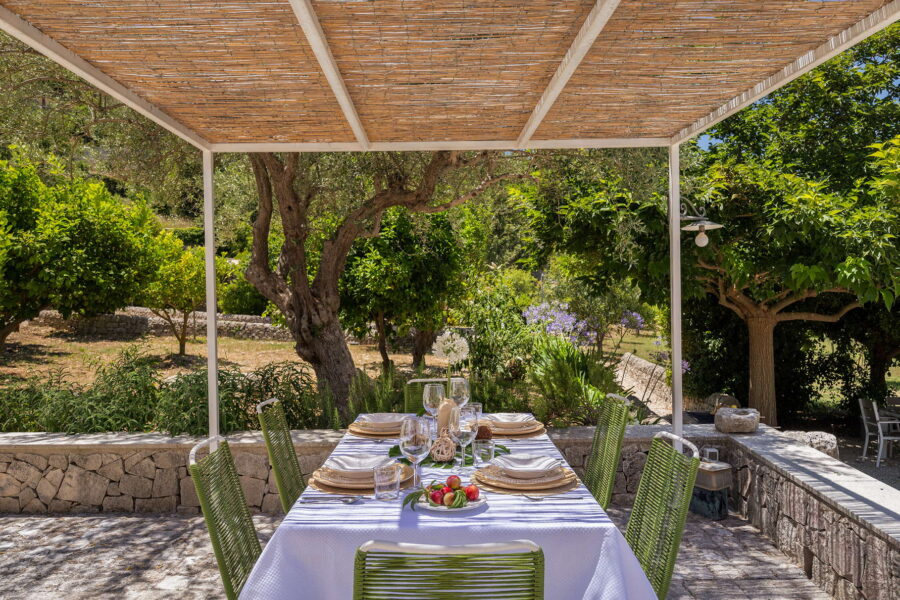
{"points": [[402, 280], [72, 246], [177, 288]]}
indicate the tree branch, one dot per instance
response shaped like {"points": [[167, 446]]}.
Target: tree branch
{"points": [[475, 192], [811, 316]]}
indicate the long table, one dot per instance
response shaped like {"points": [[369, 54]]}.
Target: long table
{"points": [[311, 553]]}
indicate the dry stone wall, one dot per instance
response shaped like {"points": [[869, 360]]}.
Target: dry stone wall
{"points": [[135, 321]]}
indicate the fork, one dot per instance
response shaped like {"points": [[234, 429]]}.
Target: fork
{"points": [[556, 496]]}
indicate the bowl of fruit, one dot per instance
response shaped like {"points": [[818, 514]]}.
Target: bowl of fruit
{"points": [[449, 496]]}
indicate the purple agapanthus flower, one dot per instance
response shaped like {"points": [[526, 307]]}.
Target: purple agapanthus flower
{"points": [[555, 319], [632, 320]]}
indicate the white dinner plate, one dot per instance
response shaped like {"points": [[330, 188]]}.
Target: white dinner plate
{"points": [[381, 421]]}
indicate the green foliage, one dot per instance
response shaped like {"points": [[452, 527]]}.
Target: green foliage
{"points": [[405, 275], [382, 394], [72, 246], [500, 342], [177, 287], [128, 395], [237, 296], [821, 125], [563, 376]]}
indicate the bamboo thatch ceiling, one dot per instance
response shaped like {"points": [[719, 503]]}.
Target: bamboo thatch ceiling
{"points": [[249, 71]]}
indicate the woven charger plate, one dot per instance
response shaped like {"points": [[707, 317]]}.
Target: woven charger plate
{"points": [[372, 433], [492, 476], [355, 487]]}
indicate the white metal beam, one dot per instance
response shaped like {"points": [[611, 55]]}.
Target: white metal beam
{"points": [[874, 23], [675, 284], [442, 145], [23, 31], [212, 333], [593, 25], [309, 22]]}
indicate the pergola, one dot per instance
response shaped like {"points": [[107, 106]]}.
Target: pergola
{"points": [[373, 75]]}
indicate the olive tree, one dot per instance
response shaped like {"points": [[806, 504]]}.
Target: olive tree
{"points": [[325, 202]]}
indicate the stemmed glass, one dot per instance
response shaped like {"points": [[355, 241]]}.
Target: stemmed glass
{"points": [[459, 391], [415, 442], [463, 428], [432, 396]]}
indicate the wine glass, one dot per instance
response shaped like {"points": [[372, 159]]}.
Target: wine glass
{"points": [[459, 391], [463, 428], [432, 396], [415, 442]]}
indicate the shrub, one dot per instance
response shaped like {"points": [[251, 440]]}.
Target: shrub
{"points": [[559, 373], [382, 394], [237, 296]]}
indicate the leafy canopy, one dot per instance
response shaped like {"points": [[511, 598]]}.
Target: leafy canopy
{"points": [[72, 246]]}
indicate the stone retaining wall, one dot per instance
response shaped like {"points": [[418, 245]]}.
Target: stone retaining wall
{"points": [[839, 525], [133, 322]]}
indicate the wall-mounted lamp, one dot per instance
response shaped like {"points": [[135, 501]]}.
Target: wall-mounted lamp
{"points": [[698, 222]]}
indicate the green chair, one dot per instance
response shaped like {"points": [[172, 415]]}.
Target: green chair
{"points": [[412, 393], [660, 508], [231, 529], [282, 457], [600, 471], [496, 571]]}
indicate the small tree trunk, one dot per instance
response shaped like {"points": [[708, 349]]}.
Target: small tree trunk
{"points": [[762, 367], [423, 340], [182, 339], [8, 329], [879, 363], [382, 342]]}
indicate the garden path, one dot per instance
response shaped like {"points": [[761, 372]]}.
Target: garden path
{"points": [[165, 556]]}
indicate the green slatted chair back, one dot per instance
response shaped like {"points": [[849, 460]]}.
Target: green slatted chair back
{"points": [[501, 571], [231, 529], [282, 456], [412, 393], [660, 508], [606, 449]]}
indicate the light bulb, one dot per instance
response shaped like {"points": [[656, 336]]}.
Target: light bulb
{"points": [[701, 240]]}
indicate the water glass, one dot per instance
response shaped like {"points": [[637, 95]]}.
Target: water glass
{"points": [[459, 390], [476, 406], [387, 481], [432, 396], [483, 451]]}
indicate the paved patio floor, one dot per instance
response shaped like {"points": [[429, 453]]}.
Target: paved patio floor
{"points": [[166, 556]]}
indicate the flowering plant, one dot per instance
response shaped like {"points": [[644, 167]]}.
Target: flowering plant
{"points": [[555, 319], [451, 346]]}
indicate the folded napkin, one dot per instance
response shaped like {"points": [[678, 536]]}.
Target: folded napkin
{"points": [[381, 421], [510, 420], [356, 466], [525, 466]]}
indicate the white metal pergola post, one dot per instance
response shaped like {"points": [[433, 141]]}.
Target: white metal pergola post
{"points": [[212, 342], [675, 283]]}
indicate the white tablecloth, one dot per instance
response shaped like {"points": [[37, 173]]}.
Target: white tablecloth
{"points": [[311, 553]]}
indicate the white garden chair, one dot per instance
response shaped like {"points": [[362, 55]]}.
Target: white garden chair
{"points": [[884, 425]]}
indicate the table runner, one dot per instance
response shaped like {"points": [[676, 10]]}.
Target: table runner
{"points": [[311, 553]]}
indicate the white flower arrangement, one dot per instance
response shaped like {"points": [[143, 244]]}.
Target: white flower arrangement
{"points": [[451, 346]]}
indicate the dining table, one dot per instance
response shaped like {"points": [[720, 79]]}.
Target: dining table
{"points": [[311, 554]]}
